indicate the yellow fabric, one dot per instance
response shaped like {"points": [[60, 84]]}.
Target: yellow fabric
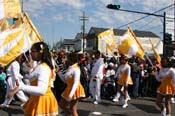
{"points": [[13, 43], [123, 79], [166, 87], [45, 105], [156, 54], [4, 24], [11, 8], [25, 22], [108, 37], [128, 44], [79, 93]]}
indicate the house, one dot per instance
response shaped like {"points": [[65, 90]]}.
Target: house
{"points": [[93, 43], [78, 42], [68, 45]]}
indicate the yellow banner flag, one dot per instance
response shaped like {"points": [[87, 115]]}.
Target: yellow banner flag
{"points": [[10, 8], [156, 54], [25, 22], [4, 24], [13, 43], [128, 44], [108, 37]]}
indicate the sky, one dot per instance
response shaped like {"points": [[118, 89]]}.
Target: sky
{"points": [[60, 19]]}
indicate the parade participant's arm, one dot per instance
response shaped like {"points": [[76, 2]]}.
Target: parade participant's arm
{"points": [[43, 79], [76, 75], [172, 73], [66, 76], [117, 73], [157, 76], [98, 67], [129, 73]]}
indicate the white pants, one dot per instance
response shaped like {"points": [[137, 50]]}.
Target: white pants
{"points": [[11, 84], [95, 89]]}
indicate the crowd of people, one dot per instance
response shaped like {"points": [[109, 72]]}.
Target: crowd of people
{"points": [[45, 80]]}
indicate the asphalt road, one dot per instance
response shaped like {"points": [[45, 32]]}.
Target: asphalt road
{"points": [[137, 107]]}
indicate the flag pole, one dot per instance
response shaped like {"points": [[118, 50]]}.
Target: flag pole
{"points": [[149, 59], [135, 38]]}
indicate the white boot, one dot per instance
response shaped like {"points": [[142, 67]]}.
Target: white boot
{"points": [[172, 100], [125, 104], [116, 98], [163, 112]]}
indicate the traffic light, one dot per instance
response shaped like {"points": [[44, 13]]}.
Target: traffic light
{"points": [[113, 6], [168, 38]]}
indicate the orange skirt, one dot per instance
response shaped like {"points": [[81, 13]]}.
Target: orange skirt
{"points": [[166, 89], [45, 105], [79, 93], [123, 80]]}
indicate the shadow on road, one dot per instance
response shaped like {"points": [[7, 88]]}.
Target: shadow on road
{"points": [[147, 108], [83, 112], [12, 110]]}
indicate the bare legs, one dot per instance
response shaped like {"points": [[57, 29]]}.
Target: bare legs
{"points": [[70, 108], [167, 103]]}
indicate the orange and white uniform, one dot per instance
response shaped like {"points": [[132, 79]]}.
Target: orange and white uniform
{"points": [[167, 78], [74, 88], [42, 101], [123, 74]]}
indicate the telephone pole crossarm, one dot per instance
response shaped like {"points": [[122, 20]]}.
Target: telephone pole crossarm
{"points": [[84, 19]]}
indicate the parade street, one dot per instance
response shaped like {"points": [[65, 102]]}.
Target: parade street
{"points": [[137, 107]]}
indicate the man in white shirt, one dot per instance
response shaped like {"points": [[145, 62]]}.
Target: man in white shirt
{"points": [[96, 77]]}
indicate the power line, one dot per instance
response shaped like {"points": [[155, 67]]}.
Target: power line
{"points": [[146, 16], [150, 22]]}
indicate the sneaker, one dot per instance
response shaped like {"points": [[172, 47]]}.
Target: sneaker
{"points": [[163, 112], [95, 102], [172, 100], [115, 100], [125, 105], [128, 98], [4, 105]]}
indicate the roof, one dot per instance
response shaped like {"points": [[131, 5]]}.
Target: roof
{"points": [[120, 32], [79, 36], [68, 42]]}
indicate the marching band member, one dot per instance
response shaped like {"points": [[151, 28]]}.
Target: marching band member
{"points": [[42, 101], [166, 75], [124, 79], [74, 90]]}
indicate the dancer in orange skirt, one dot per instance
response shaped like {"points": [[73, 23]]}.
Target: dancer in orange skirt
{"points": [[42, 101], [166, 75], [74, 90], [124, 79]]}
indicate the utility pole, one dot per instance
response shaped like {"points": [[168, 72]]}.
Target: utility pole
{"points": [[84, 18], [117, 7], [22, 3]]}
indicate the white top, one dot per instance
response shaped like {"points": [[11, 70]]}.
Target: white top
{"points": [[73, 72], [42, 73], [121, 69], [97, 69], [165, 72], [14, 71]]}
